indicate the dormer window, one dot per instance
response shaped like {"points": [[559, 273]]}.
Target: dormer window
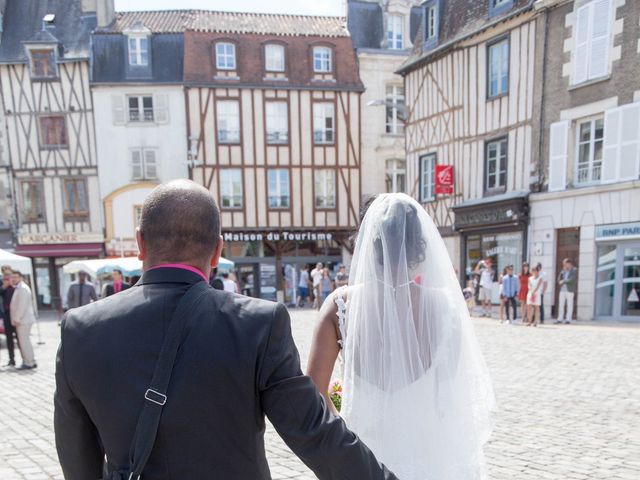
{"points": [[497, 7], [274, 58], [43, 63], [432, 21], [321, 59], [225, 56], [139, 51], [395, 32], [431, 18]]}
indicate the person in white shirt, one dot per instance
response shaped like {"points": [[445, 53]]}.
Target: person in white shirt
{"points": [[486, 285], [543, 288], [316, 278], [303, 286], [229, 285], [22, 318]]}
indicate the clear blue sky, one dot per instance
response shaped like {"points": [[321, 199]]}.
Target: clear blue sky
{"points": [[303, 7]]}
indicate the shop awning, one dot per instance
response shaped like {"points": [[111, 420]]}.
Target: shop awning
{"points": [[61, 250], [16, 262]]}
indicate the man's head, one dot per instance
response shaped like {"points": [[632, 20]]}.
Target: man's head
{"points": [[488, 262], [319, 266], [225, 275], [82, 276], [117, 275], [567, 264], [180, 223], [342, 268], [16, 278], [509, 269]]}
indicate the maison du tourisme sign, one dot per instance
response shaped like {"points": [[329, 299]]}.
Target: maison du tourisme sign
{"points": [[275, 236]]}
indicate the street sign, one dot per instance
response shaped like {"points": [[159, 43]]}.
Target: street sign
{"points": [[444, 179]]}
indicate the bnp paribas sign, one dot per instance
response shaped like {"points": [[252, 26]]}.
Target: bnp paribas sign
{"points": [[275, 236], [618, 231]]}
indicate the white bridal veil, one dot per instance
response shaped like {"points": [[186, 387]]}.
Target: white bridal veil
{"points": [[416, 388]]}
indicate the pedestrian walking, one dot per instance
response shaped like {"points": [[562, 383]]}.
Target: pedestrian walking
{"points": [[510, 287], [502, 297], [524, 290], [567, 279], [23, 317], [342, 277], [316, 278], [487, 274], [81, 292], [303, 286], [326, 284], [545, 284], [6, 292], [229, 285], [534, 297], [117, 285]]}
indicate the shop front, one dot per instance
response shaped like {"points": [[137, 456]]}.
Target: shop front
{"points": [[49, 253], [617, 286], [268, 263], [493, 227]]}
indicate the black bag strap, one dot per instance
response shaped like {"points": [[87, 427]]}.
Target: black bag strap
{"points": [[156, 395]]}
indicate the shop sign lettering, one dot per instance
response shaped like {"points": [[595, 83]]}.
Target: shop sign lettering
{"points": [[607, 232], [58, 238], [275, 236]]}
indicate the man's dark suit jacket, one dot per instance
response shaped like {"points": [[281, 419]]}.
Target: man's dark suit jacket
{"points": [[237, 363], [108, 291]]}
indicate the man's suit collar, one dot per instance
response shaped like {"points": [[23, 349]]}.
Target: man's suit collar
{"points": [[169, 275]]}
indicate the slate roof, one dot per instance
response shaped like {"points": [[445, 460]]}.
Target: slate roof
{"points": [[175, 21], [22, 22]]}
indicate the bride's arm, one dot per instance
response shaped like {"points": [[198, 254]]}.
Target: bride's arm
{"points": [[324, 349]]}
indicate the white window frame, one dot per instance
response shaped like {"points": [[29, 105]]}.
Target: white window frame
{"points": [[229, 177], [325, 188], [395, 168], [503, 66], [394, 107], [501, 143], [139, 54], [225, 56], [146, 164], [278, 188], [323, 134], [395, 32], [427, 182], [143, 114], [274, 57], [591, 166], [277, 122], [322, 59], [230, 119], [432, 22]]}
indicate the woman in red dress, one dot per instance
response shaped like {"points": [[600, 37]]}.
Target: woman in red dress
{"points": [[524, 290]]}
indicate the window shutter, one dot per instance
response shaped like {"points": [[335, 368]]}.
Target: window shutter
{"points": [[136, 164], [558, 143], [611, 153], [117, 108], [581, 52], [150, 168], [161, 108], [599, 38], [621, 158]]}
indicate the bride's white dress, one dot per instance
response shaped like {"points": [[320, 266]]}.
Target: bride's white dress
{"points": [[416, 389]]}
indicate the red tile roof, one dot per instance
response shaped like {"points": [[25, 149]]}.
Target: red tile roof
{"points": [[177, 21]]}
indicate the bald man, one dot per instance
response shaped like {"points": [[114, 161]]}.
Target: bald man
{"points": [[236, 363]]}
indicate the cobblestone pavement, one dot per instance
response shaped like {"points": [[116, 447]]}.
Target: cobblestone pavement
{"points": [[568, 405]]}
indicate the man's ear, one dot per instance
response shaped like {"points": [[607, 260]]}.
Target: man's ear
{"points": [[217, 253], [142, 251]]}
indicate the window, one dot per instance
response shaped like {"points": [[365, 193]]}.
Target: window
{"points": [[497, 7], [321, 59], [395, 32], [140, 108], [139, 51], [32, 201], [395, 109], [496, 166], [591, 37], [53, 132], [137, 215], [279, 188], [231, 187], [325, 186], [589, 151], [43, 63], [498, 68], [277, 122], [75, 197], [323, 123], [274, 58], [225, 56], [396, 176], [228, 121], [143, 164], [432, 22], [428, 177]]}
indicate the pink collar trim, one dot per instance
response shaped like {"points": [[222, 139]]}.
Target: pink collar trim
{"points": [[182, 266]]}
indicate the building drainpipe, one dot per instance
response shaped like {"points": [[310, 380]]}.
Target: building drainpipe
{"points": [[540, 182]]}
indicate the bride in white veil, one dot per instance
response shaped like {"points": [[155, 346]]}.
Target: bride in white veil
{"points": [[416, 388]]}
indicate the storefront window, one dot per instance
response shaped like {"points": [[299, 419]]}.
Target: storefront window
{"points": [[631, 282], [605, 280], [504, 249]]}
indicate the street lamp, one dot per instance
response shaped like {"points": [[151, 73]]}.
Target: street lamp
{"points": [[400, 107]]}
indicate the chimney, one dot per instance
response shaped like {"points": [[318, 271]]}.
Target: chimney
{"points": [[106, 12]]}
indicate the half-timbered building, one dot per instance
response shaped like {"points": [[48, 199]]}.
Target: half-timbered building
{"points": [[470, 89], [589, 206], [44, 79], [141, 134], [273, 108]]}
